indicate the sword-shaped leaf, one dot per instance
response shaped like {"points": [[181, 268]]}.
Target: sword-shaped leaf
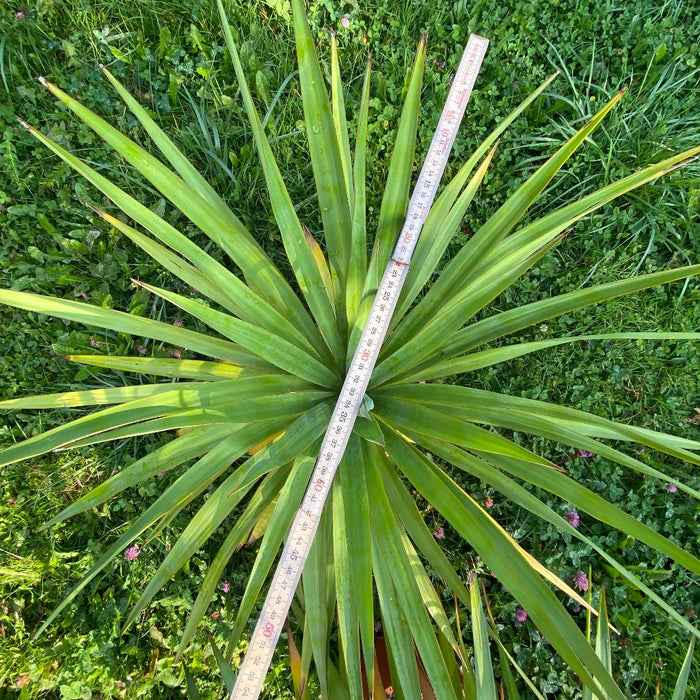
{"points": [[494, 230], [602, 640], [485, 683], [297, 438], [396, 627], [437, 424], [326, 154], [537, 418], [316, 579], [680, 688], [357, 266], [121, 322], [351, 479], [505, 558], [280, 294], [244, 252], [296, 247], [527, 315], [178, 400], [441, 224], [163, 459], [177, 369], [262, 343], [489, 474], [218, 275], [287, 504], [494, 356], [88, 397], [396, 192], [398, 180], [388, 533], [187, 487], [495, 272], [340, 121], [348, 623]]}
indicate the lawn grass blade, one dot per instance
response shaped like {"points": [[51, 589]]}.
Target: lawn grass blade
{"points": [[261, 342], [680, 689], [293, 238]]}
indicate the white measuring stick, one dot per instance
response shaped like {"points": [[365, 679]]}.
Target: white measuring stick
{"points": [[251, 675]]}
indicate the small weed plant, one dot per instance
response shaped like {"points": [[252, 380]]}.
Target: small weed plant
{"points": [[260, 349]]}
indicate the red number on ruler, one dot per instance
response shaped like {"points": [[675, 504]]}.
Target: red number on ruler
{"points": [[269, 629]]}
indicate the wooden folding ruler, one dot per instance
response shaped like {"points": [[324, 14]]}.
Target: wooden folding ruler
{"points": [[251, 675]]}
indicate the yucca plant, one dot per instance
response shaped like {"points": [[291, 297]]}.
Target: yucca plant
{"points": [[246, 418]]}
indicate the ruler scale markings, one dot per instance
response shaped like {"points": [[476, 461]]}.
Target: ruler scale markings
{"points": [[251, 675]]}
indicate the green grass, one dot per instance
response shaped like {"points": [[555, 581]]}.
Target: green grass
{"points": [[171, 56]]}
